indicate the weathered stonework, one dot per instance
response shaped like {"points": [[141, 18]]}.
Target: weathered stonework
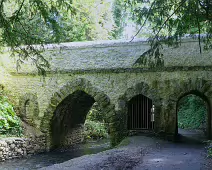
{"points": [[199, 87], [75, 136], [28, 108], [105, 71], [21, 147], [60, 95], [140, 88]]}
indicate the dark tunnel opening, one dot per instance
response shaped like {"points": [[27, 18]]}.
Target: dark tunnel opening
{"points": [[69, 117]]}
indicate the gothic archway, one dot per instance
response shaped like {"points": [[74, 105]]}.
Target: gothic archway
{"points": [[122, 110], [75, 91], [193, 116], [198, 87], [69, 117]]}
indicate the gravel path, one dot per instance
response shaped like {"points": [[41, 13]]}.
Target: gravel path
{"points": [[142, 153]]}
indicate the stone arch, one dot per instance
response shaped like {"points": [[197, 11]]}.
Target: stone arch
{"points": [[68, 89], [181, 88], [199, 87], [140, 88], [120, 118], [28, 108]]}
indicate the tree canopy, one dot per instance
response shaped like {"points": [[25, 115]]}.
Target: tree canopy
{"points": [[24, 23], [17, 19], [167, 21]]}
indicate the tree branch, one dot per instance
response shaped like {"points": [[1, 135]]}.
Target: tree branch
{"points": [[19, 10], [144, 21], [156, 35]]}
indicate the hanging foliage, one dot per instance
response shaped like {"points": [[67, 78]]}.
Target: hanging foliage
{"points": [[25, 23], [167, 22]]}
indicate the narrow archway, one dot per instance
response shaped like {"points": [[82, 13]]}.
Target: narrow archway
{"points": [[140, 113], [69, 117], [193, 116], [121, 119]]}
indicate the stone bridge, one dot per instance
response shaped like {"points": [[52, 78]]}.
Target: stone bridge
{"points": [[105, 72]]}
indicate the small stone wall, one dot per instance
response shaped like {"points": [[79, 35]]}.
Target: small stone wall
{"points": [[74, 136], [21, 147]]}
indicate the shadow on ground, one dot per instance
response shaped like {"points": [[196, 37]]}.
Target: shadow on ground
{"points": [[191, 136]]}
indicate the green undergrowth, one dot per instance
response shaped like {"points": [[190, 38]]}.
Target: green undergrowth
{"points": [[10, 124], [95, 126], [95, 130], [192, 113], [209, 148]]}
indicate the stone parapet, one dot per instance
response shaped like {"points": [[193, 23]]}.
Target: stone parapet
{"points": [[111, 55]]}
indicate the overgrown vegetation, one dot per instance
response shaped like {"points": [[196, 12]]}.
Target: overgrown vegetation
{"points": [[95, 126], [119, 16], [192, 113], [95, 130], [10, 124], [95, 113], [209, 148]]}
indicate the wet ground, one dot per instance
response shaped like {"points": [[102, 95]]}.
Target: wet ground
{"points": [[55, 157], [191, 135], [189, 153], [136, 152], [145, 153], [173, 156]]}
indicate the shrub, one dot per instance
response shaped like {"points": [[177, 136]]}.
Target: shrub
{"points": [[10, 124], [95, 130], [192, 113], [209, 148], [95, 113]]}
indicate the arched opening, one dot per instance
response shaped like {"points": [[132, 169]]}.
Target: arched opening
{"points": [[193, 117], [69, 117], [27, 108], [28, 112], [140, 113]]}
